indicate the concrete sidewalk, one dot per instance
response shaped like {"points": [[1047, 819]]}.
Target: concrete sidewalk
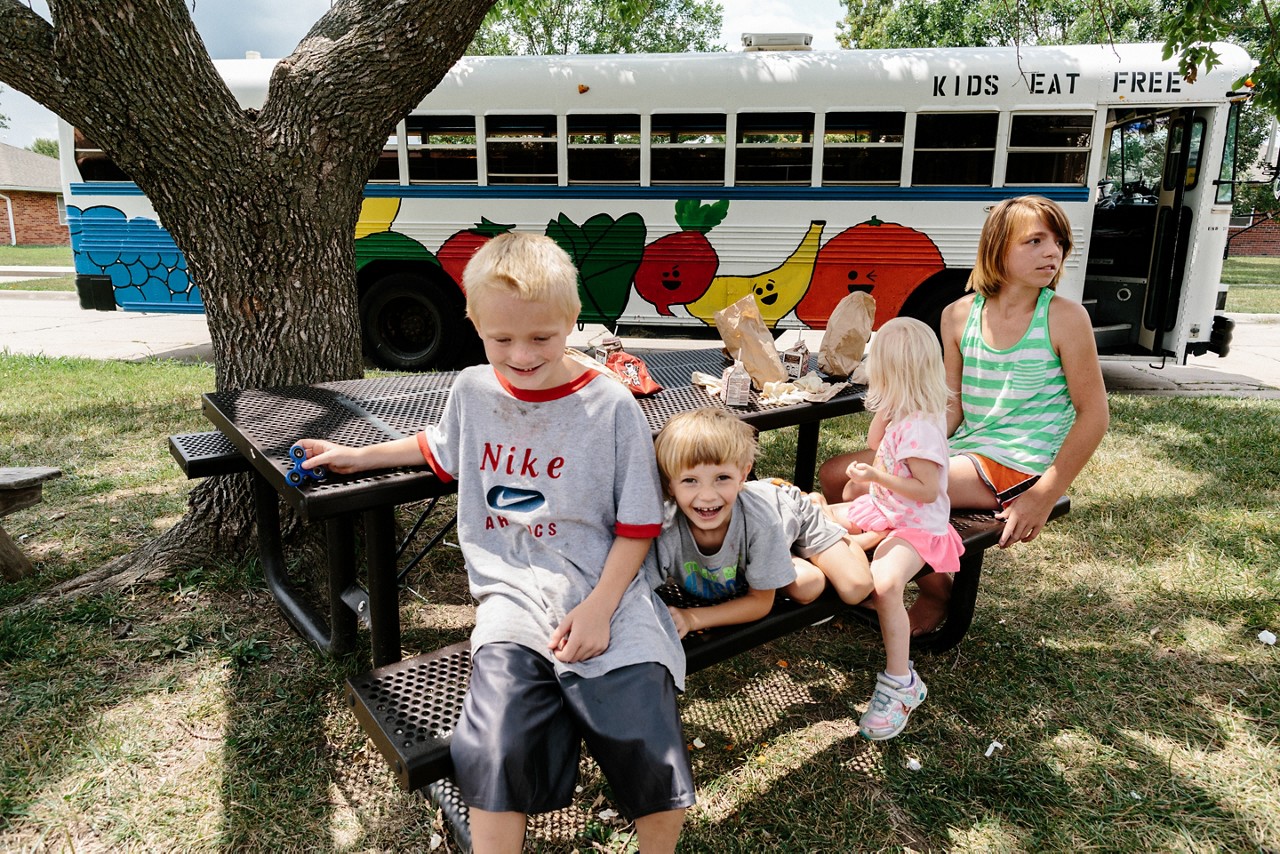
{"points": [[53, 324]]}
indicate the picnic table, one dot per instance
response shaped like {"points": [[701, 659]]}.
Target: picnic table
{"points": [[260, 425]]}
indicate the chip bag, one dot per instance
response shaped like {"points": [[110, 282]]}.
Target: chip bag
{"points": [[633, 372], [848, 330], [748, 341]]}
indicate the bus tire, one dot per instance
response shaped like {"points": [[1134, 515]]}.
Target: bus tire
{"points": [[409, 323], [928, 300]]}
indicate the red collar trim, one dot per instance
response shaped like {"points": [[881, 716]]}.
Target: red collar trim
{"points": [[542, 395]]}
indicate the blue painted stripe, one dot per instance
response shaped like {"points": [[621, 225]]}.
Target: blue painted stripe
{"points": [[700, 191]]}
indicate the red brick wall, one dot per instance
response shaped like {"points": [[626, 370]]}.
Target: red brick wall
{"points": [[1262, 239], [35, 219]]}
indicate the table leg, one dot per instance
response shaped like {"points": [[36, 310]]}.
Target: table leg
{"points": [[806, 455], [384, 589], [337, 635]]}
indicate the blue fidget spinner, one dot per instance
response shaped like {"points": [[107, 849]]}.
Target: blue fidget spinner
{"points": [[298, 475]]}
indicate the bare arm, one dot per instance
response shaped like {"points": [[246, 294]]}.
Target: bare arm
{"points": [[954, 317], [921, 486], [345, 460], [584, 631], [1072, 337], [744, 609]]}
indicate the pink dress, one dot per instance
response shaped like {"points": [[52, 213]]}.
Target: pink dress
{"points": [[927, 527]]}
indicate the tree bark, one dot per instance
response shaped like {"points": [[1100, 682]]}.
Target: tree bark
{"points": [[263, 203]]}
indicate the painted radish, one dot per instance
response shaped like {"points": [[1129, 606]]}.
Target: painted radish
{"points": [[678, 268], [457, 250]]}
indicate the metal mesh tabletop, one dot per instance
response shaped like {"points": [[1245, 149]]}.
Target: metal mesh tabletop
{"points": [[263, 424]]}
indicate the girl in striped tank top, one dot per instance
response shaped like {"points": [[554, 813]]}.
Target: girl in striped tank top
{"points": [[1029, 405]]}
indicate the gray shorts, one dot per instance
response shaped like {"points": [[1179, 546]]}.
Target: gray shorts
{"points": [[518, 741], [804, 524]]}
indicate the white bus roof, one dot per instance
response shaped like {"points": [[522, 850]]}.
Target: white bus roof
{"points": [[919, 79]]}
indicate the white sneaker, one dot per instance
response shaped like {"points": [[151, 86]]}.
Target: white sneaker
{"points": [[890, 706]]}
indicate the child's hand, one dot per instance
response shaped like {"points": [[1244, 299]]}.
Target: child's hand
{"points": [[681, 617], [335, 457], [861, 472], [582, 634]]}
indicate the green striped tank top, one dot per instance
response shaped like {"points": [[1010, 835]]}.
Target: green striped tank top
{"points": [[1016, 407]]}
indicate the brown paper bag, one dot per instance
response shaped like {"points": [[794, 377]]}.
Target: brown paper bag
{"points": [[748, 341], [848, 330]]}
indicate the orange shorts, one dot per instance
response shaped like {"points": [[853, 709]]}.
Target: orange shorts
{"points": [[1006, 483]]}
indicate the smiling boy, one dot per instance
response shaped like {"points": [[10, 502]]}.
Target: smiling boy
{"points": [[558, 502]]}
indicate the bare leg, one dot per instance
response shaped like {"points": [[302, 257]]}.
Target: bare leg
{"points": [[659, 831], [809, 584], [848, 570], [894, 565], [497, 832], [966, 490]]}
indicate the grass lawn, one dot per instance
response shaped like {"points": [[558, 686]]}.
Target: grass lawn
{"points": [[57, 283], [35, 256], [1251, 271], [1116, 659]]}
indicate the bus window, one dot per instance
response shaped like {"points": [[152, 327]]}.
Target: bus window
{"points": [[775, 148], [442, 149], [93, 162], [1176, 134], [862, 148], [1226, 192], [1049, 149], [521, 149], [387, 169], [687, 148], [955, 149], [604, 149]]}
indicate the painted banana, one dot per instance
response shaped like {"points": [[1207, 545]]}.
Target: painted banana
{"points": [[777, 291]]}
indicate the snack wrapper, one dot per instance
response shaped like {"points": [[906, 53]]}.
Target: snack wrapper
{"points": [[633, 372]]}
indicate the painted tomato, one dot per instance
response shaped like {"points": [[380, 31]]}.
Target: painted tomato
{"points": [[887, 259], [455, 252], [676, 269]]}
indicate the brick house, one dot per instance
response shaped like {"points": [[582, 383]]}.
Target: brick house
{"points": [[31, 207], [1260, 236]]}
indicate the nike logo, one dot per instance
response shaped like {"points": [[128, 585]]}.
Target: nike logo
{"points": [[512, 498]]}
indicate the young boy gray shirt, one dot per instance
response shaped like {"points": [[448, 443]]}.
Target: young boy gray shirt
{"points": [[547, 480]]}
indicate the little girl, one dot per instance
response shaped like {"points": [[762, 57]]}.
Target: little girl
{"points": [[905, 514]]}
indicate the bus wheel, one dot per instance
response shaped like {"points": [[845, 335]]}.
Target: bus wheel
{"points": [[928, 300], [408, 324]]}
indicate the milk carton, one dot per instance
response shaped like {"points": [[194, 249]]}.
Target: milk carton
{"points": [[796, 361], [737, 385]]}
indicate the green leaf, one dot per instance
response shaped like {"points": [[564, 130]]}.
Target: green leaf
{"points": [[606, 252]]}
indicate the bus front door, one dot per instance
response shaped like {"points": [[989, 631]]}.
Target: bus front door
{"points": [[1180, 187]]}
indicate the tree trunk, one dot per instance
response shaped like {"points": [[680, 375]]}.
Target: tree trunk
{"points": [[262, 202]]}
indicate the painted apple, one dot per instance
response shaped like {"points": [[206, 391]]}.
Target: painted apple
{"points": [[455, 252], [884, 258]]}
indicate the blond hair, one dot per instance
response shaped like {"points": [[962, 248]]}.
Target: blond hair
{"points": [[904, 370], [706, 436], [1008, 221], [528, 266]]}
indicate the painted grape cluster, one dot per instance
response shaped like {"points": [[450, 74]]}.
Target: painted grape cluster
{"points": [[137, 255]]}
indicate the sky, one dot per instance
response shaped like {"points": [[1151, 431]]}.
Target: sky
{"points": [[273, 28]]}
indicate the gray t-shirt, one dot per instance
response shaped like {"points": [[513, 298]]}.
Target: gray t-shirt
{"points": [[547, 480], [769, 521]]}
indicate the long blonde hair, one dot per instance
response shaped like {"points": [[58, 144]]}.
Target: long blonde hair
{"points": [[904, 370], [1008, 221]]}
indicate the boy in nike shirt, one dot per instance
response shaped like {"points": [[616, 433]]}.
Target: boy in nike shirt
{"points": [[558, 502]]}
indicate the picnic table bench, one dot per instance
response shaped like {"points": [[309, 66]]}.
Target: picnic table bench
{"points": [[19, 488]]}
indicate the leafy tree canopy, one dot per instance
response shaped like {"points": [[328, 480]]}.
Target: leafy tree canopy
{"points": [[549, 27], [47, 147]]}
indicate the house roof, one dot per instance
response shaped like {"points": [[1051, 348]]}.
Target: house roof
{"points": [[25, 170]]}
